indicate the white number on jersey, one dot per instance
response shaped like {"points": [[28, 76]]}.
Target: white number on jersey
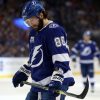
{"points": [[59, 41]]}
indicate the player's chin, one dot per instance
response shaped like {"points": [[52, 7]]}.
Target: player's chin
{"points": [[35, 27]]}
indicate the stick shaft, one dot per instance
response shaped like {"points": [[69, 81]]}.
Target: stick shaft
{"points": [[81, 96]]}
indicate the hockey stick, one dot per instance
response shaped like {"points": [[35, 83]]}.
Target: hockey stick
{"points": [[81, 96]]}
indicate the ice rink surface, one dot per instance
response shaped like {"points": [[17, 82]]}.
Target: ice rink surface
{"points": [[8, 92]]}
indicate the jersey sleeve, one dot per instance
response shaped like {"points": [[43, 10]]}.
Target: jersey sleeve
{"points": [[96, 50], [75, 50], [57, 44]]}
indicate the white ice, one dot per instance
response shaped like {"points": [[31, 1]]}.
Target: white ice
{"points": [[8, 92]]}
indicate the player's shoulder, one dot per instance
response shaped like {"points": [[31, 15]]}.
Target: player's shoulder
{"points": [[80, 41], [55, 28], [93, 42], [53, 25]]}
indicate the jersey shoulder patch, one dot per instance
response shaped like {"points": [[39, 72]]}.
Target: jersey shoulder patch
{"points": [[80, 41], [53, 25], [93, 42]]}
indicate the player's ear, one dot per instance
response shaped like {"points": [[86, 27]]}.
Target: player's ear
{"points": [[41, 15]]}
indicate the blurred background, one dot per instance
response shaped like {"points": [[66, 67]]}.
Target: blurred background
{"points": [[76, 16]]}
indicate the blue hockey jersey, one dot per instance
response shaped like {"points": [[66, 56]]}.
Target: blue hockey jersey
{"points": [[86, 51], [48, 49]]}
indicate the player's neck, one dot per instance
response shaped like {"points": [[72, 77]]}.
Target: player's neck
{"points": [[87, 41], [46, 22]]}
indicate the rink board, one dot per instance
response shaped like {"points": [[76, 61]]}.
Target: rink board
{"points": [[8, 66]]}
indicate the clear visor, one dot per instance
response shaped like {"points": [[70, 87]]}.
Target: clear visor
{"points": [[26, 24]]}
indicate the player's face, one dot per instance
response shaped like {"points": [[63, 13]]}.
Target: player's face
{"points": [[86, 37], [33, 22]]}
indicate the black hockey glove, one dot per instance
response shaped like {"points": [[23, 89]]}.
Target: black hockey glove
{"points": [[56, 81], [21, 75]]}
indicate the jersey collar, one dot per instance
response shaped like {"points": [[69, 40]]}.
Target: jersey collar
{"points": [[50, 21]]}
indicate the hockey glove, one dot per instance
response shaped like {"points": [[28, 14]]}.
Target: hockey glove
{"points": [[56, 81], [21, 75], [74, 59]]}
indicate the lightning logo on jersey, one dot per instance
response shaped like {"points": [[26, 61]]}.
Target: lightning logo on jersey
{"points": [[87, 51], [36, 52]]}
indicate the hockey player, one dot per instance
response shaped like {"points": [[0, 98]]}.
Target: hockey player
{"points": [[87, 50], [48, 62]]}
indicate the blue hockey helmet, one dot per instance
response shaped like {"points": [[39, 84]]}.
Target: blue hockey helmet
{"points": [[88, 33], [32, 8]]}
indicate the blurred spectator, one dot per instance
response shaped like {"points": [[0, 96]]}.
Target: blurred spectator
{"points": [[75, 15]]}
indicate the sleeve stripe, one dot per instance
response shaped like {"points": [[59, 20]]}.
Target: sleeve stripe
{"points": [[97, 53], [68, 74], [74, 50], [61, 57]]}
